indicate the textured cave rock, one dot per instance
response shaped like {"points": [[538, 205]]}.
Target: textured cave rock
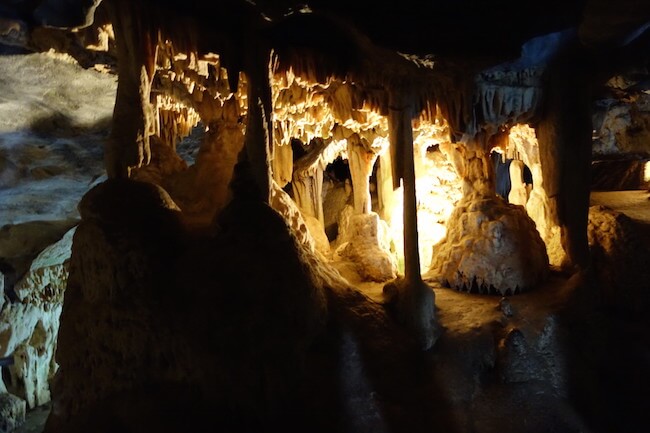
{"points": [[21, 243], [173, 325], [144, 297], [622, 121], [620, 259], [307, 231], [522, 141], [533, 357], [29, 324], [491, 247], [12, 412]]}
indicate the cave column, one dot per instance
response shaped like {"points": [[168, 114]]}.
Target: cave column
{"points": [[133, 115], [564, 135], [385, 191], [415, 300], [401, 142], [308, 192], [259, 133], [361, 161]]}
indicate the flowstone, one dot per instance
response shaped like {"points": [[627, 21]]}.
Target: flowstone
{"points": [[491, 247]]}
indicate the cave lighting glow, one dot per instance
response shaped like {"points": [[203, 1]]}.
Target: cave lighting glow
{"points": [[437, 188]]}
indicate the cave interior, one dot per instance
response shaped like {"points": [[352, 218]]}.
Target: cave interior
{"points": [[345, 216]]}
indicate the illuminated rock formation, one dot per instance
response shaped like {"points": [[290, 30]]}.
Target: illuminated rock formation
{"points": [[203, 292], [491, 247], [29, 325]]}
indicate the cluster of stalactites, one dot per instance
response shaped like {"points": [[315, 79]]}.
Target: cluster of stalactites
{"points": [[174, 121], [306, 110], [189, 88]]}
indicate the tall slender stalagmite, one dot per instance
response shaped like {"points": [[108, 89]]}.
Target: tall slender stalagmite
{"points": [[401, 142], [415, 300]]}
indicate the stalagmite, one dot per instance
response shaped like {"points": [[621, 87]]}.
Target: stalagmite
{"points": [[518, 193], [491, 245], [415, 300], [385, 191]]}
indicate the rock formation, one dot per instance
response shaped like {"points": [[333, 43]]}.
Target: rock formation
{"points": [[203, 291], [29, 323], [491, 247]]}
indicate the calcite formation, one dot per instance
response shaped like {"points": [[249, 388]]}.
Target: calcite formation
{"points": [[201, 286], [491, 247], [29, 325], [364, 239]]}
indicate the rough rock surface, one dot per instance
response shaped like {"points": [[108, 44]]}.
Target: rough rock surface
{"points": [[622, 125], [29, 325], [620, 258], [491, 246], [54, 117], [21, 243], [145, 297], [364, 239], [282, 203], [12, 412]]}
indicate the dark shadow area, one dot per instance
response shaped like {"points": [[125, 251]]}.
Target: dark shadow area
{"points": [[620, 173], [366, 374], [59, 125], [12, 50], [607, 361]]}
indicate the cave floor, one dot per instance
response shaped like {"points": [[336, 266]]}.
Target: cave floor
{"points": [[635, 204], [35, 420]]}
